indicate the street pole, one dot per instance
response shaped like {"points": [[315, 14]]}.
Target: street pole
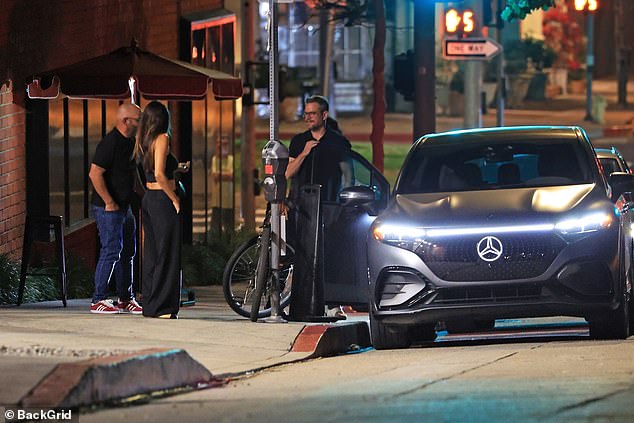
{"points": [[473, 77], [274, 102], [425, 76], [501, 79], [589, 64]]}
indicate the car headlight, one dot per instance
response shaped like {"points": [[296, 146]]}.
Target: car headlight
{"points": [[585, 224], [402, 236]]}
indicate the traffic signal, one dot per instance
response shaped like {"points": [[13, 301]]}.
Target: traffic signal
{"points": [[459, 22], [589, 5]]}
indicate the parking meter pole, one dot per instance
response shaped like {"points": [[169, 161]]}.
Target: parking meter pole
{"points": [[275, 160], [274, 98], [275, 265]]}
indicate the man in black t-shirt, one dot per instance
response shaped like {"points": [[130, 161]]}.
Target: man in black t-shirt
{"points": [[320, 155], [112, 173]]}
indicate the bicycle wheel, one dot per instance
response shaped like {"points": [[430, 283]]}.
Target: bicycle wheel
{"points": [[238, 282]]}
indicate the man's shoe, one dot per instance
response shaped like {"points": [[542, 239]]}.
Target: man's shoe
{"points": [[336, 312], [104, 307], [130, 306]]}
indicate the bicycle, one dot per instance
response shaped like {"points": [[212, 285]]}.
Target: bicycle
{"points": [[249, 268]]}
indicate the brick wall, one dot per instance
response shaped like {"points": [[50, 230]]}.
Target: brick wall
{"points": [[36, 35], [12, 172]]}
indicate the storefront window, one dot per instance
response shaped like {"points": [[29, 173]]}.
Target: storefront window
{"points": [[213, 136], [56, 157], [75, 128]]}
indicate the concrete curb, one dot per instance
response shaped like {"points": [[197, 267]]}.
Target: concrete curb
{"points": [[104, 379], [110, 378], [332, 339]]}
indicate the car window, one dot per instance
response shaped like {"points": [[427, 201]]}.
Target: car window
{"points": [[357, 171], [489, 165], [610, 166]]}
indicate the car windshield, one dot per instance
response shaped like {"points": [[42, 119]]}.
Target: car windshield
{"points": [[454, 166]]}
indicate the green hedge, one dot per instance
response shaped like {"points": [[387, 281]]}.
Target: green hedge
{"points": [[204, 264], [42, 285]]}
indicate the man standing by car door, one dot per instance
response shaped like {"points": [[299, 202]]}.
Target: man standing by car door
{"points": [[318, 156], [112, 173]]}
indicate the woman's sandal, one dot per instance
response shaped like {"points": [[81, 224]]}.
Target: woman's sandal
{"points": [[168, 316]]}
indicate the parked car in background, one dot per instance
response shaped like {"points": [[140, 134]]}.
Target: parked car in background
{"points": [[612, 161], [496, 223]]}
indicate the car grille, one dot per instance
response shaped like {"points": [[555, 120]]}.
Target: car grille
{"points": [[488, 294], [524, 255]]}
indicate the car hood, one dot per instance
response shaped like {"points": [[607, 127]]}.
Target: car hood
{"points": [[500, 204]]}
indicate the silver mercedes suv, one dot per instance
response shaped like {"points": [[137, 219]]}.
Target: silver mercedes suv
{"points": [[501, 223]]}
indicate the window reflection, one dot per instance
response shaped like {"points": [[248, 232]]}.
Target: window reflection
{"points": [[76, 160], [213, 144], [56, 156]]}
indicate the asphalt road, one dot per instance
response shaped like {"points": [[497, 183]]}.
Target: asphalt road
{"points": [[525, 371]]}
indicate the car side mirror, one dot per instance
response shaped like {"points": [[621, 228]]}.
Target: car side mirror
{"points": [[357, 196], [621, 182]]}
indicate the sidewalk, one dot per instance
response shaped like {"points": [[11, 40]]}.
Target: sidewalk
{"points": [[563, 110], [55, 356]]}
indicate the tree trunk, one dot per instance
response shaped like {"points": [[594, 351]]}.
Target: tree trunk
{"points": [[623, 48], [326, 53], [378, 86]]}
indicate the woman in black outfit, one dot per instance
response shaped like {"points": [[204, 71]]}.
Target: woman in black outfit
{"points": [[161, 281]]}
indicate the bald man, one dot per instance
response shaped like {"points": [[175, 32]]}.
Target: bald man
{"points": [[112, 173]]}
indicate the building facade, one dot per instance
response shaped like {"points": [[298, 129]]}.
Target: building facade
{"points": [[46, 145]]}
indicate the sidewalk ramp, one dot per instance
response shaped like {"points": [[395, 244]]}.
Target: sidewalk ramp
{"points": [[105, 379]]}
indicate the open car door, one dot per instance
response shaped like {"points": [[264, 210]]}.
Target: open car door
{"points": [[345, 232]]}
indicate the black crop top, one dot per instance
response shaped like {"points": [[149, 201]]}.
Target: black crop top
{"points": [[170, 166]]}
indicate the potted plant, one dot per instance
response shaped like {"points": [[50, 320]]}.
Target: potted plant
{"points": [[576, 76], [563, 35], [541, 57], [519, 72]]}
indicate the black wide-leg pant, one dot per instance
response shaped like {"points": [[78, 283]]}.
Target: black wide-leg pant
{"points": [[161, 283]]}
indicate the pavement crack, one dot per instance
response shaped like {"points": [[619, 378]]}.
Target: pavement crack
{"points": [[452, 376], [586, 402]]}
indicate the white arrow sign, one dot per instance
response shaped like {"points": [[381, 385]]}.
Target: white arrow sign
{"points": [[470, 49]]}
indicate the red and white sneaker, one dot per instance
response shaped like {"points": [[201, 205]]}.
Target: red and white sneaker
{"points": [[130, 306], [104, 307]]}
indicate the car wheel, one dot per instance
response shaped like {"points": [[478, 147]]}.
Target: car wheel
{"points": [[616, 325], [468, 326], [386, 337]]}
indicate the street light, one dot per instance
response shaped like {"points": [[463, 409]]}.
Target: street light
{"points": [[587, 7]]}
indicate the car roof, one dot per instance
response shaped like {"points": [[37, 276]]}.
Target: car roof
{"points": [[608, 153], [502, 133]]}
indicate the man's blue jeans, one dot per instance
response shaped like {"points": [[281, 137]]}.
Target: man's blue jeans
{"points": [[117, 233]]}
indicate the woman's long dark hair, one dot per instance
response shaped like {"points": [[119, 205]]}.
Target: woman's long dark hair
{"points": [[154, 122]]}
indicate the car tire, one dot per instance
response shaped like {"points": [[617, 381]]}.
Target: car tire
{"points": [[386, 337], [616, 325]]}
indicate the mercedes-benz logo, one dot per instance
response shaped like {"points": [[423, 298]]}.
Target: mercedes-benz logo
{"points": [[489, 248]]}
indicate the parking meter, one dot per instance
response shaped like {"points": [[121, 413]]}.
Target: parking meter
{"points": [[275, 161]]}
